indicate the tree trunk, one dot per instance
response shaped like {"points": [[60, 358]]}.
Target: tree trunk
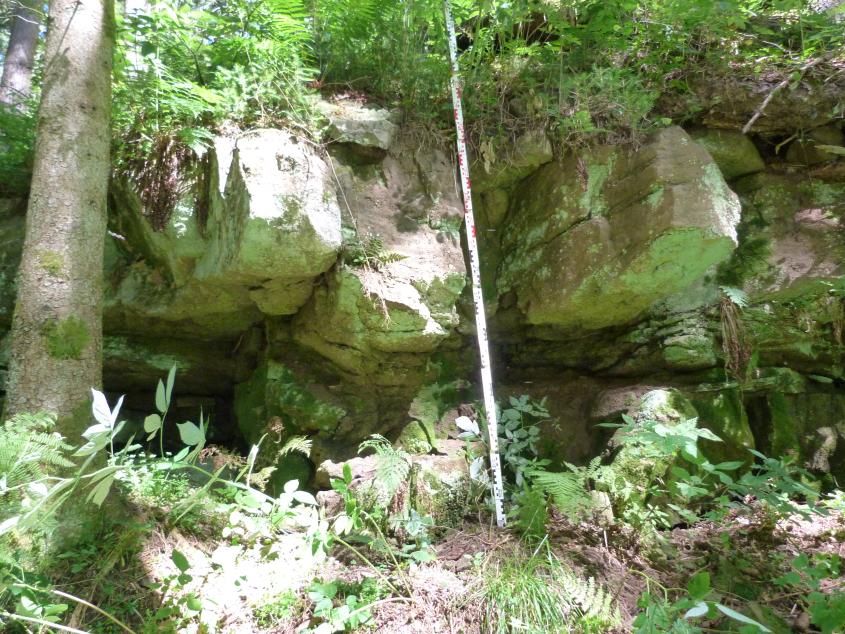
{"points": [[20, 55], [56, 336]]}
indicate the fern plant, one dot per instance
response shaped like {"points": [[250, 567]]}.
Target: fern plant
{"points": [[392, 466], [538, 593], [29, 449], [369, 252]]}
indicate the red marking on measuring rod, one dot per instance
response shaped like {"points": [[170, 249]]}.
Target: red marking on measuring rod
{"points": [[477, 297]]}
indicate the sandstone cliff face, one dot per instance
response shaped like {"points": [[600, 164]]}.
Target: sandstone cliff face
{"points": [[323, 290]]}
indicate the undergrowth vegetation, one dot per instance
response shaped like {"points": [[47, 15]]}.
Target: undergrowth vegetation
{"points": [[585, 70], [198, 520]]}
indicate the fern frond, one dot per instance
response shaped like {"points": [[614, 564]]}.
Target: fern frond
{"points": [[568, 490], [296, 444], [737, 296], [392, 465], [27, 451], [594, 603]]}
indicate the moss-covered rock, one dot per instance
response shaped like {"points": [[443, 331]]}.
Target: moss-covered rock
{"points": [[733, 152], [367, 126], [809, 149], [279, 226], [275, 400], [498, 166], [596, 240], [791, 235], [723, 413], [810, 428]]}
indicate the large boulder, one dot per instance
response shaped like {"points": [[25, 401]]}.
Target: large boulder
{"points": [[379, 317], [594, 241], [279, 226], [366, 126], [501, 165], [733, 152]]}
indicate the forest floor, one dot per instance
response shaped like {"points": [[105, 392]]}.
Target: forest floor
{"points": [[268, 585]]}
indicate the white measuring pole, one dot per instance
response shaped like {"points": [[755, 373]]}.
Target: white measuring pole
{"points": [[477, 296]]}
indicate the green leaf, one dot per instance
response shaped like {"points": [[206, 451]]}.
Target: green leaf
{"points": [[152, 423], [699, 586], [171, 378], [179, 457], [193, 603], [736, 616], [101, 490], [161, 398], [699, 609], [180, 561], [831, 149], [190, 433], [100, 409]]}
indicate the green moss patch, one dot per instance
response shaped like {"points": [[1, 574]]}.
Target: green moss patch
{"points": [[66, 338]]}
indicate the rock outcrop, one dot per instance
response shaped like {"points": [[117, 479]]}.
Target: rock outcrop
{"points": [[322, 290]]}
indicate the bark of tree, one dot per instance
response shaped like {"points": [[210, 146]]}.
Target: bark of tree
{"points": [[16, 83], [56, 335]]}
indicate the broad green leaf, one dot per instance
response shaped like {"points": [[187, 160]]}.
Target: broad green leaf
{"points": [[9, 524], [303, 497], [291, 486], [179, 457], [705, 433], [831, 149], [699, 609], [161, 398], [180, 560], [101, 490], [190, 433], [100, 408], [193, 603], [152, 423], [171, 378], [699, 586], [736, 616]]}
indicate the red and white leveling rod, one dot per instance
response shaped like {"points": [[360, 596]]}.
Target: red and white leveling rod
{"points": [[478, 298]]}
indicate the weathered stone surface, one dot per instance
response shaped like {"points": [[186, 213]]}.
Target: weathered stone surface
{"points": [[499, 167], [378, 324], [723, 413], [375, 329], [594, 241], [810, 428], [276, 401], [792, 234], [137, 364], [809, 149], [145, 303], [174, 249], [733, 152], [366, 126], [280, 223], [438, 485], [729, 101]]}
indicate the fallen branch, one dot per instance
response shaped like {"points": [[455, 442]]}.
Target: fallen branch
{"points": [[758, 113]]}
